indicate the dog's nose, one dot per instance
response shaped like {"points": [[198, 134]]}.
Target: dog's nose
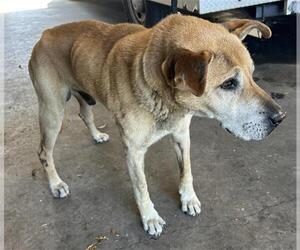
{"points": [[277, 118]]}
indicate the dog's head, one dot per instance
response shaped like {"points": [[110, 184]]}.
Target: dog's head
{"points": [[210, 72]]}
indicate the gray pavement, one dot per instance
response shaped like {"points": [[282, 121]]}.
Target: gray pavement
{"points": [[247, 189]]}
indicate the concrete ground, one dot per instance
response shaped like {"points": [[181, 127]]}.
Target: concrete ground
{"points": [[247, 189]]}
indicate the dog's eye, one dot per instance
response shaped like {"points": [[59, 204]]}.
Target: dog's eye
{"points": [[230, 84]]}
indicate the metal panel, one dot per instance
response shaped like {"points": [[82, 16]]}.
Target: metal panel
{"points": [[190, 5], [208, 6], [269, 10], [165, 2], [292, 6]]}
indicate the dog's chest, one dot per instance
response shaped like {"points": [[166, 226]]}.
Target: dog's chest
{"points": [[157, 135], [170, 125]]}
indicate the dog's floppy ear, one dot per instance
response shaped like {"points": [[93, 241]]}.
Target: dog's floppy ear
{"points": [[242, 27], [186, 70]]}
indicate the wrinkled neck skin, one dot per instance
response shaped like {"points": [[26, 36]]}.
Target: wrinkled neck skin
{"points": [[153, 92]]}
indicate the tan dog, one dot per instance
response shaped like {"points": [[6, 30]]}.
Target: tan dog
{"points": [[154, 81]]}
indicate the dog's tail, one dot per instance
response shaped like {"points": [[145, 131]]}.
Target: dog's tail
{"points": [[32, 64], [30, 70]]}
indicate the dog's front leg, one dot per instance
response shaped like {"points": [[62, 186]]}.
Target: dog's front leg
{"points": [[189, 201], [152, 222]]}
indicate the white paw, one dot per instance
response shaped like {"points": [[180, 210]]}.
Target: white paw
{"points": [[190, 204], [100, 137], [60, 189], [153, 223]]}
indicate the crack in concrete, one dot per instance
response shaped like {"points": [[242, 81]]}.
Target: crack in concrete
{"points": [[240, 217], [218, 222]]}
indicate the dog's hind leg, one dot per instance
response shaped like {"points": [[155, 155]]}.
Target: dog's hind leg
{"points": [[86, 114], [52, 95], [50, 124]]}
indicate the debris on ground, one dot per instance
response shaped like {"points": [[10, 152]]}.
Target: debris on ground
{"points": [[34, 172], [102, 126], [97, 241], [114, 232], [277, 95]]}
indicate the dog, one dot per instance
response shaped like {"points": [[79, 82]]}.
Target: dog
{"points": [[153, 80]]}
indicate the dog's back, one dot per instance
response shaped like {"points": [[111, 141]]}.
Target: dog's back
{"points": [[67, 47]]}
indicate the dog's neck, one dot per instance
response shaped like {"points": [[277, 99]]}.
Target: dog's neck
{"points": [[151, 90], [158, 102], [154, 96], [152, 101]]}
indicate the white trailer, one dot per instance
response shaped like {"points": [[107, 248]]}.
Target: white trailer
{"points": [[148, 12]]}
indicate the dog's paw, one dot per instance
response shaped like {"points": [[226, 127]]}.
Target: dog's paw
{"points": [[190, 203], [60, 189], [100, 137], [153, 223], [191, 207]]}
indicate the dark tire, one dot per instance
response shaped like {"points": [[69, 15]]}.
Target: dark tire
{"points": [[145, 12]]}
